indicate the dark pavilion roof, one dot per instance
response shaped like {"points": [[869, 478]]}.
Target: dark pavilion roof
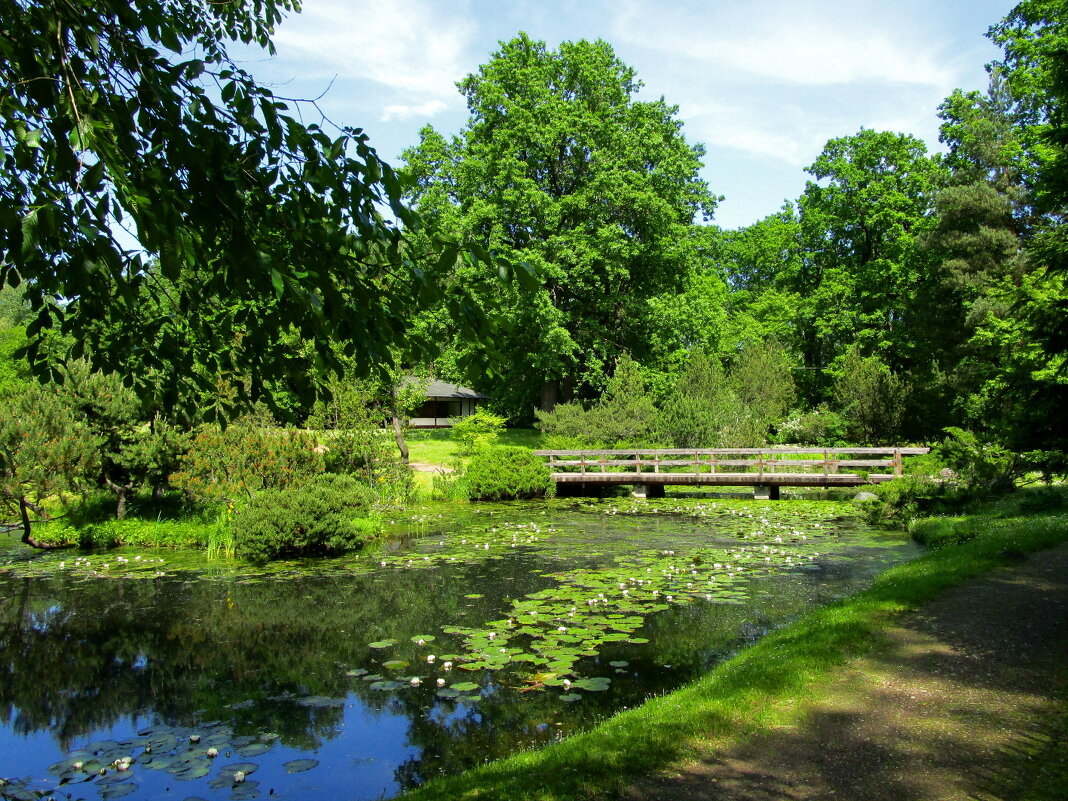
{"points": [[443, 389]]}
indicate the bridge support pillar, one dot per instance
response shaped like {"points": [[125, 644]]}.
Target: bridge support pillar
{"points": [[648, 491], [765, 492]]}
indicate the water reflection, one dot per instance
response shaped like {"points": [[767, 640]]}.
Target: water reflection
{"points": [[281, 667]]}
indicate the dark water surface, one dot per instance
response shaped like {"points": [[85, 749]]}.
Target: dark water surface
{"points": [[483, 631]]}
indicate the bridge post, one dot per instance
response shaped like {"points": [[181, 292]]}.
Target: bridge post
{"points": [[648, 491], [765, 492]]}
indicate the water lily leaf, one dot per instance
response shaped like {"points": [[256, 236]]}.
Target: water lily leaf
{"points": [[474, 595], [387, 685], [418, 639], [382, 644], [637, 640], [465, 686], [594, 685], [255, 749], [194, 772], [570, 698], [313, 701], [300, 765], [356, 672], [619, 663], [234, 767], [118, 790], [395, 664], [446, 692], [116, 777]]}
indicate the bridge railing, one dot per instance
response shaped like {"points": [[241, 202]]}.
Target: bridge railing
{"points": [[758, 461]]}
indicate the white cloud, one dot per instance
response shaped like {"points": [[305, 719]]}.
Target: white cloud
{"points": [[413, 47], [407, 112], [778, 78]]}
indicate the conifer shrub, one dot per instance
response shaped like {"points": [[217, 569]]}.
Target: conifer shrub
{"points": [[329, 515], [506, 472]]}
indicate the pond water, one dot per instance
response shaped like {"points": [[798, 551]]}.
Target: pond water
{"points": [[475, 632]]}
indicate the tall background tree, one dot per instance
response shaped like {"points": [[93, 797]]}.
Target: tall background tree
{"points": [[561, 168]]}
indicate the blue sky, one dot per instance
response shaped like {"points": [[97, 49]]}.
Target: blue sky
{"points": [[763, 84]]}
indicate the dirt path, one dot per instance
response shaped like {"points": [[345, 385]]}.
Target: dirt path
{"points": [[968, 687]]}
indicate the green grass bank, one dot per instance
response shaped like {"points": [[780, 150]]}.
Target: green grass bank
{"points": [[763, 686]]}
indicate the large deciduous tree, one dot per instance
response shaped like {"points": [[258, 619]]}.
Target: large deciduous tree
{"points": [[862, 279], [120, 115], [561, 168]]}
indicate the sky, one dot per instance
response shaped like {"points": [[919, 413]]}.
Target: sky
{"points": [[762, 84]]}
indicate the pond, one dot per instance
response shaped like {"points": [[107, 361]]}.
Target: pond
{"points": [[476, 631]]}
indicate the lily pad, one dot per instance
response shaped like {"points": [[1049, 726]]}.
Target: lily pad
{"points": [[300, 765], [118, 790], [243, 767], [570, 698], [382, 644], [193, 772], [395, 664], [315, 702], [419, 639], [594, 685], [255, 749], [386, 684], [465, 686]]}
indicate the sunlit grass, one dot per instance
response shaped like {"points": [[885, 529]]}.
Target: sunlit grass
{"points": [[759, 688], [436, 445]]}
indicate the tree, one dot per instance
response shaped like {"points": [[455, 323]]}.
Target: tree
{"points": [[559, 167], [624, 415], [701, 406], [861, 274], [132, 116], [871, 398], [1034, 37], [45, 449]]}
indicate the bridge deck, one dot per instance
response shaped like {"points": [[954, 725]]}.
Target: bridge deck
{"points": [[724, 479]]}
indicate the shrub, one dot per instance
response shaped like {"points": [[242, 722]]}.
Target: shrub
{"points": [[623, 417], [936, 532], [819, 426], [329, 515], [504, 472], [236, 462], [477, 430]]}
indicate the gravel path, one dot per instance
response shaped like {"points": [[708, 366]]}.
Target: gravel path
{"points": [[968, 687]]}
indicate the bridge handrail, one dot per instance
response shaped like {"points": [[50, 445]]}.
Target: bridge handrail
{"points": [[766, 458]]}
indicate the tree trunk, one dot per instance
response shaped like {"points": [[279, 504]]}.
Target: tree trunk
{"points": [[27, 537], [550, 395], [398, 432], [121, 491]]}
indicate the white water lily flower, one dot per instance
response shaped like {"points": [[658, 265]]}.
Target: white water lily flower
{"points": [[441, 682], [430, 657], [446, 665]]}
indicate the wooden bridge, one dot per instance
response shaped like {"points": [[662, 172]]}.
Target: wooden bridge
{"points": [[764, 469]]}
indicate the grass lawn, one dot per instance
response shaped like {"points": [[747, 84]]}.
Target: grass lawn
{"points": [[436, 445]]}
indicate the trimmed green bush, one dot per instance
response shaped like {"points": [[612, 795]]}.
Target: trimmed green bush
{"points": [[477, 431], [329, 515], [505, 472]]}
